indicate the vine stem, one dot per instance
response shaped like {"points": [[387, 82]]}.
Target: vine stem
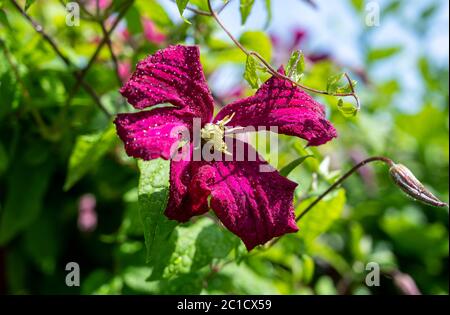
{"points": [[273, 71], [383, 159], [342, 179], [39, 29], [104, 41]]}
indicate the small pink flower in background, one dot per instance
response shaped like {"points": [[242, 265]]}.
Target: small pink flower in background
{"points": [[87, 216], [236, 92], [405, 283], [256, 206], [297, 41], [300, 35], [102, 4], [124, 70], [151, 32], [125, 34]]}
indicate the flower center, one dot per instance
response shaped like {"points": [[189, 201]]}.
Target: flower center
{"points": [[215, 133]]}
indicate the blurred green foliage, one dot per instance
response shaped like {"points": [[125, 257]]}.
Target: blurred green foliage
{"points": [[56, 146]]}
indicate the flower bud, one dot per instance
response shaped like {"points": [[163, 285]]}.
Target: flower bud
{"points": [[406, 180]]}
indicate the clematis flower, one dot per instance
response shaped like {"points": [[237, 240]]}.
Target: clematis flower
{"points": [[256, 206]]}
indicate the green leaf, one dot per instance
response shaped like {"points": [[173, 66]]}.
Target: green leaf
{"points": [[135, 278], [250, 74], [155, 12], [325, 286], [88, 150], [243, 279], [383, 53], [96, 283], [4, 21], [27, 184], [358, 5], [320, 218], [347, 88], [202, 4], [196, 246], [268, 4], [153, 192], [307, 268], [4, 160], [259, 42], [333, 83], [296, 66], [181, 4], [133, 18], [42, 242], [245, 8], [285, 171], [223, 53], [28, 4], [347, 109]]}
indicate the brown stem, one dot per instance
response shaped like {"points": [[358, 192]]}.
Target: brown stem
{"points": [[386, 160], [83, 73], [111, 52], [273, 71], [343, 178], [38, 28]]}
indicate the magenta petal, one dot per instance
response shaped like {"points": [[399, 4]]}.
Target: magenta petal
{"points": [[279, 103], [256, 206], [172, 75], [188, 191], [151, 134]]}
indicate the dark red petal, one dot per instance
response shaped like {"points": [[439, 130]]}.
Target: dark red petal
{"points": [[256, 206], [172, 75], [279, 103], [188, 194], [151, 134]]}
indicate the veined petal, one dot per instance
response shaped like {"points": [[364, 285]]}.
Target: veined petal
{"points": [[172, 75], [152, 134], [188, 193], [256, 206], [279, 103]]}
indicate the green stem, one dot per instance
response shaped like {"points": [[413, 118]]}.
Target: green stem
{"points": [[343, 178]]}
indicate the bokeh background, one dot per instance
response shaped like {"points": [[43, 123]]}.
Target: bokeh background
{"points": [[68, 192]]}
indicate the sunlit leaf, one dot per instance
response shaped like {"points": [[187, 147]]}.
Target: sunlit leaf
{"points": [[88, 150], [296, 66], [334, 82], [320, 218], [285, 171], [246, 7], [28, 4], [250, 74], [153, 192], [347, 109], [383, 53], [195, 247], [259, 42]]}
